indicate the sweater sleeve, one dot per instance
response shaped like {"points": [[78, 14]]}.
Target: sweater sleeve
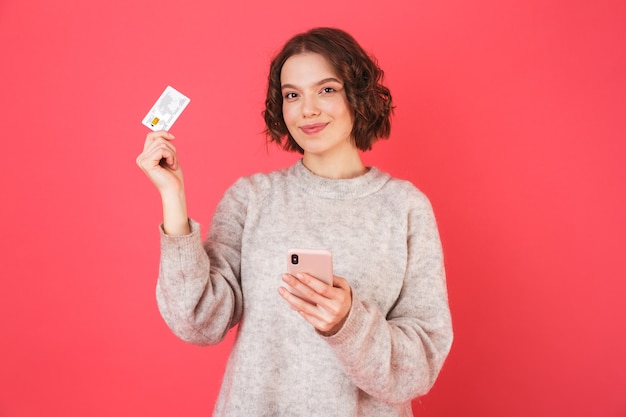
{"points": [[198, 291], [397, 357]]}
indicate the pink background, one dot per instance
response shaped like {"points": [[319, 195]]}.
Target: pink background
{"points": [[510, 116]]}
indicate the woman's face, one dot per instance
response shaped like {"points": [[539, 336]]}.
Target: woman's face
{"points": [[315, 108]]}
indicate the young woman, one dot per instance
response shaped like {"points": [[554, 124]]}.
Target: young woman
{"points": [[378, 336]]}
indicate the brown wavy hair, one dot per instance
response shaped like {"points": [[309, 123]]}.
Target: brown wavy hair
{"points": [[362, 77]]}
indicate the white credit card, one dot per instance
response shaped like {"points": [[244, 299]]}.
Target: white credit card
{"points": [[166, 110]]}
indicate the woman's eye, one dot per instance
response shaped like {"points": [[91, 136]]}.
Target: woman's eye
{"points": [[290, 95], [327, 90]]}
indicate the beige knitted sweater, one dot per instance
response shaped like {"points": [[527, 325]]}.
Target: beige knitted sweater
{"points": [[384, 241]]}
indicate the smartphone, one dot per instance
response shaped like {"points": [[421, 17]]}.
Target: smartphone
{"points": [[315, 262]]}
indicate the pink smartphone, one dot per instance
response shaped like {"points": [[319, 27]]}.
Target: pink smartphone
{"points": [[316, 262]]}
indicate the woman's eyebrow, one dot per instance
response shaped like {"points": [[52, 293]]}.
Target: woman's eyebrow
{"points": [[324, 81]]}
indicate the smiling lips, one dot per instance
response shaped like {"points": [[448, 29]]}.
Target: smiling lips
{"points": [[313, 128]]}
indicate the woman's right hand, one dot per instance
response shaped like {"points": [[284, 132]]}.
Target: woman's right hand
{"points": [[159, 161]]}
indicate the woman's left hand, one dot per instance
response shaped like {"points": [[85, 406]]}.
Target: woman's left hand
{"points": [[325, 307]]}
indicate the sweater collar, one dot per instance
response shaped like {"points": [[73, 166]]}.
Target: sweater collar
{"points": [[344, 189]]}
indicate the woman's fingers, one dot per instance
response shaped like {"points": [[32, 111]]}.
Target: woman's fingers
{"points": [[159, 161], [159, 134], [158, 141], [328, 306]]}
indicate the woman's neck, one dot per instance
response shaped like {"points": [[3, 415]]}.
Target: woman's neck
{"points": [[339, 167]]}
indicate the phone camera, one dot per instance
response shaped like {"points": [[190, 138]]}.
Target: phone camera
{"points": [[294, 258]]}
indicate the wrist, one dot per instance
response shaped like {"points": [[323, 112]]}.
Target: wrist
{"points": [[175, 219]]}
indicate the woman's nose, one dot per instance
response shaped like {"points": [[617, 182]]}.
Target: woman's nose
{"points": [[310, 107]]}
